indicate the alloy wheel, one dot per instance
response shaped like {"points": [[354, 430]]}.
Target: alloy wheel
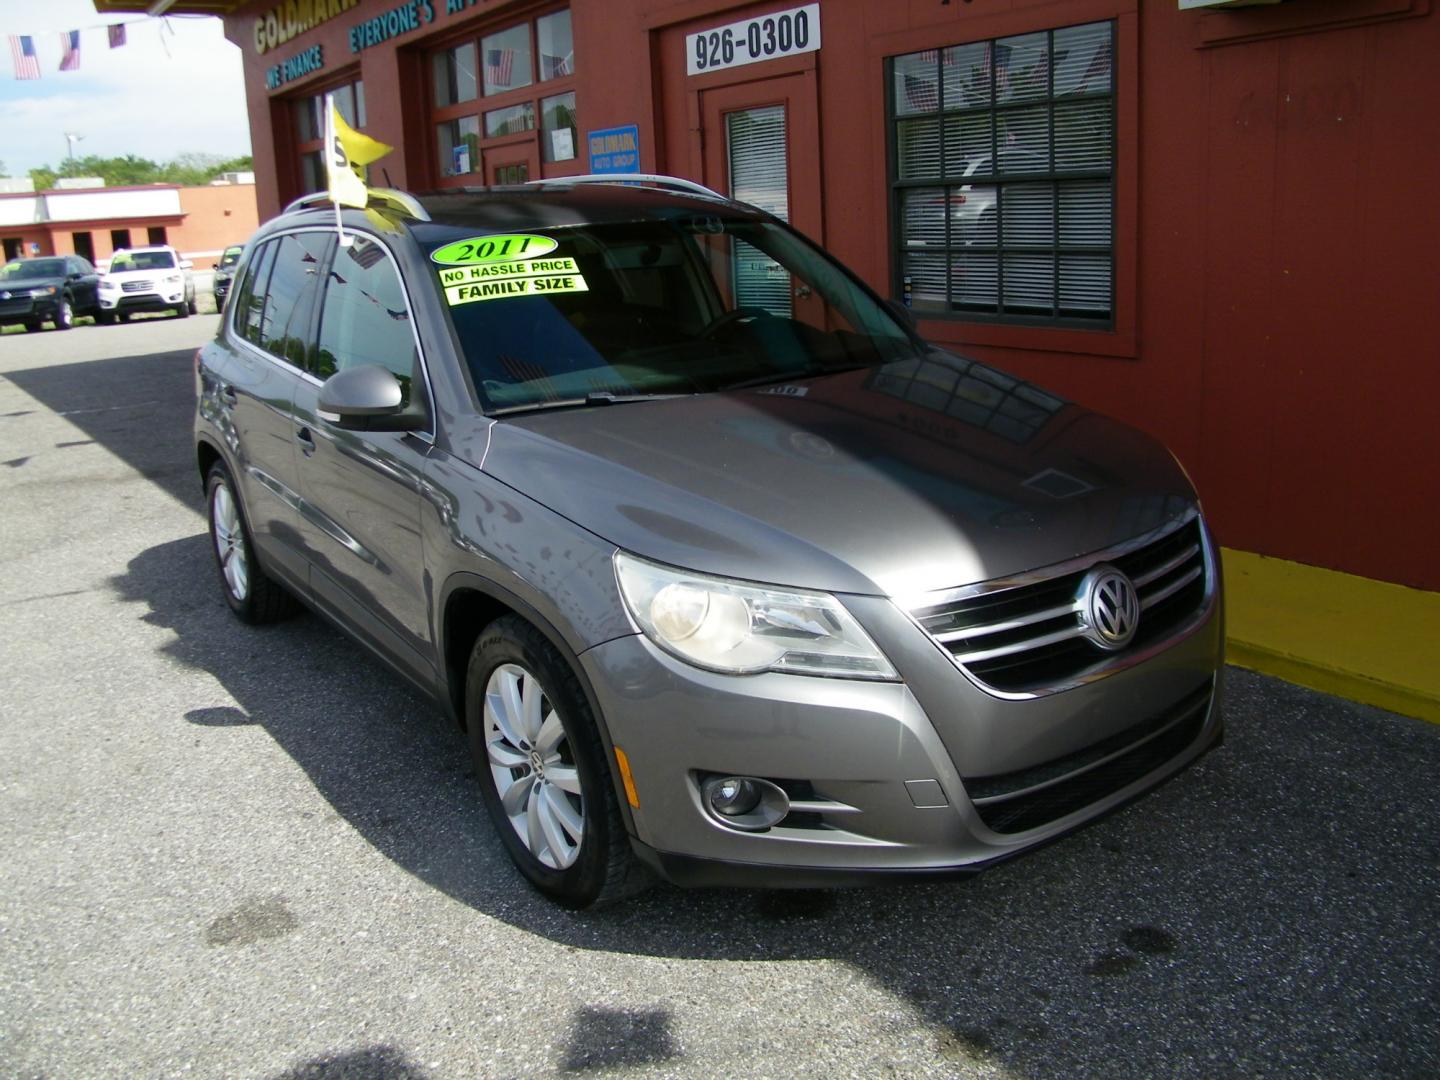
{"points": [[533, 766], [230, 542]]}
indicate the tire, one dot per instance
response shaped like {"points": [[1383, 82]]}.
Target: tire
{"points": [[124, 316], [566, 835], [64, 315], [105, 318], [250, 592], [33, 326], [193, 307], [182, 310]]}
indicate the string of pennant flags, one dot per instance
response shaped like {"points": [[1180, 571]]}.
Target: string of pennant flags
{"points": [[26, 59]]}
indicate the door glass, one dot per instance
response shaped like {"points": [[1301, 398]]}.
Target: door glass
{"points": [[366, 318], [755, 139], [285, 325], [251, 305]]}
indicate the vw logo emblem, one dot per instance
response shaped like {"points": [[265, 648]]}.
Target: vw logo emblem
{"points": [[1109, 607]]}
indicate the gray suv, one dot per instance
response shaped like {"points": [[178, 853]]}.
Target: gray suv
{"points": [[729, 577]]}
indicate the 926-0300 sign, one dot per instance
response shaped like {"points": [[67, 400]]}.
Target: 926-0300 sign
{"points": [[750, 41]]}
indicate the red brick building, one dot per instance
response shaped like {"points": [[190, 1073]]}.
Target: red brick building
{"points": [[1216, 221]]}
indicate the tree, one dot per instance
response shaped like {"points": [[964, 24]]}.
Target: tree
{"points": [[187, 169]]}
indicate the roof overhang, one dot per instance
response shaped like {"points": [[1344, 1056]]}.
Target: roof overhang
{"points": [[168, 7]]}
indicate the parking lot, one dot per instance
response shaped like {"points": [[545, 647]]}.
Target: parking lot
{"points": [[231, 852]]}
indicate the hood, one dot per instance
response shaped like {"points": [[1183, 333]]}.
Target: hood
{"points": [[921, 475], [36, 281]]}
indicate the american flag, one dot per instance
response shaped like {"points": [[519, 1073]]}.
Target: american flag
{"points": [[499, 66], [117, 35], [553, 67], [22, 51], [70, 49]]}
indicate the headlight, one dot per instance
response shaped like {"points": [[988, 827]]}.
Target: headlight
{"points": [[173, 279], [46, 290], [107, 286], [741, 629]]}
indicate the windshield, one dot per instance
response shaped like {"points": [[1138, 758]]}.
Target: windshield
{"points": [[671, 306], [230, 257], [142, 260], [30, 268]]}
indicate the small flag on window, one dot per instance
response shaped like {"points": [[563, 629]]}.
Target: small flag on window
{"points": [[22, 51], [499, 66], [117, 35], [555, 67], [70, 50]]}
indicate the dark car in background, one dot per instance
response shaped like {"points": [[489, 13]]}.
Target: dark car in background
{"points": [[727, 574], [224, 271], [55, 289]]}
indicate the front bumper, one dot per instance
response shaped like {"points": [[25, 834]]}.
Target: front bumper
{"points": [[881, 768], [160, 300], [17, 310]]}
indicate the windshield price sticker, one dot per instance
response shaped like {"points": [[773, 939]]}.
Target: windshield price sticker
{"points": [[461, 275], [506, 288], [503, 247], [784, 33]]}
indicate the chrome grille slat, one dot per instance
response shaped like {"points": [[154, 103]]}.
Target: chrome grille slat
{"points": [[1160, 571], [1171, 589], [1012, 624], [1011, 636], [1053, 638]]}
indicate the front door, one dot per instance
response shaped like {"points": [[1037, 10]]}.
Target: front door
{"points": [[761, 146]]}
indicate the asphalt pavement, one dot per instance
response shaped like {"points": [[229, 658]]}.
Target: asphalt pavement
{"points": [[256, 853]]}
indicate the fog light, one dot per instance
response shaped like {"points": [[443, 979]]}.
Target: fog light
{"points": [[746, 803], [734, 796]]}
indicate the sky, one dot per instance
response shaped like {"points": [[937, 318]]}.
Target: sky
{"points": [[132, 100]]}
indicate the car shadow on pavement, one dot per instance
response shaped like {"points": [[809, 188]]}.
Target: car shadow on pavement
{"points": [[128, 404], [1272, 909]]}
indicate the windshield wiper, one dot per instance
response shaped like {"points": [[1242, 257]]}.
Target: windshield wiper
{"points": [[595, 397], [789, 376]]}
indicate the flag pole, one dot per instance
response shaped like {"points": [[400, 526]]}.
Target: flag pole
{"points": [[332, 152]]}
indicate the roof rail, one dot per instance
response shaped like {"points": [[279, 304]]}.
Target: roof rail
{"points": [[645, 179], [390, 198]]}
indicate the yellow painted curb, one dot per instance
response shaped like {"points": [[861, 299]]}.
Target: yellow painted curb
{"points": [[1366, 640]]}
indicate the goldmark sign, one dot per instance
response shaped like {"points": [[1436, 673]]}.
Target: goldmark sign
{"points": [[285, 21]]}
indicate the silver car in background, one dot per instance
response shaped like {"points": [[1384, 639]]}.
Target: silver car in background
{"points": [[728, 580]]}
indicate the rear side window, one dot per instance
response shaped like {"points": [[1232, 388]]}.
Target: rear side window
{"points": [[290, 295], [251, 303], [366, 319]]}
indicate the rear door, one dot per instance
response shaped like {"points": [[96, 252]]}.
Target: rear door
{"points": [[360, 508], [269, 339]]}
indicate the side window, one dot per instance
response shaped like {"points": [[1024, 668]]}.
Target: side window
{"points": [[294, 281], [250, 305], [365, 319]]}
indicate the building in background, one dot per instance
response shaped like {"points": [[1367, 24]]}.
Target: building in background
{"points": [[86, 218], [1214, 220]]}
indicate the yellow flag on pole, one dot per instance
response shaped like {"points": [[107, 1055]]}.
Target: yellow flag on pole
{"points": [[349, 152]]}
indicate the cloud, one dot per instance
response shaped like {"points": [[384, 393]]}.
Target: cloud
{"points": [[163, 94]]}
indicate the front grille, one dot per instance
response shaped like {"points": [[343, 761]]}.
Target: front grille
{"points": [[1027, 638], [15, 305], [138, 286], [1036, 796]]}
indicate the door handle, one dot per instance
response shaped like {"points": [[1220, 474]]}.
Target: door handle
{"points": [[306, 441]]}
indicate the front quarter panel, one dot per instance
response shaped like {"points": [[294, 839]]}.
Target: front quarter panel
{"points": [[474, 525]]}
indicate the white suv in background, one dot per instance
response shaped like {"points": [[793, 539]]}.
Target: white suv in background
{"points": [[153, 278]]}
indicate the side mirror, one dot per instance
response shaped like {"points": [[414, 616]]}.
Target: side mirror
{"points": [[214, 266], [367, 398]]}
